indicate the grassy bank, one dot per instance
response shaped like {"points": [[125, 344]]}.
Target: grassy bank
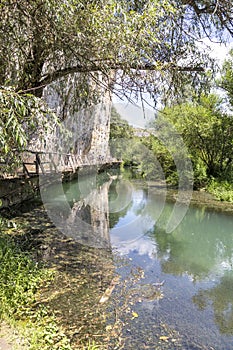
{"points": [[222, 190], [20, 281]]}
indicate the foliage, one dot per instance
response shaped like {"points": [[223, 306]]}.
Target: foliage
{"points": [[91, 346], [121, 135], [119, 128], [41, 331], [22, 116], [45, 40], [20, 279], [222, 190], [207, 132], [221, 15], [226, 79], [161, 154], [128, 47]]}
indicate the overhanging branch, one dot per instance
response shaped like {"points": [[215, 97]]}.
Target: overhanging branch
{"points": [[49, 78]]}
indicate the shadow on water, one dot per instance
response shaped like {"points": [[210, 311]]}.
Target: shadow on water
{"points": [[121, 279]]}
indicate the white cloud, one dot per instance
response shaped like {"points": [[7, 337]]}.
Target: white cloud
{"points": [[142, 246], [218, 51]]}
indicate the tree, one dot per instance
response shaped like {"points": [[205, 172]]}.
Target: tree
{"points": [[21, 116], [207, 132], [226, 80], [127, 46], [212, 14], [44, 40], [119, 128]]}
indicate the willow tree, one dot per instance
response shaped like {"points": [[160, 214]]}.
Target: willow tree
{"points": [[137, 46]]}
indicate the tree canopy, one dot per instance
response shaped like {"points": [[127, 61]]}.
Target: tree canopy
{"points": [[226, 80], [44, 40], [127, 46], [207, 132]]}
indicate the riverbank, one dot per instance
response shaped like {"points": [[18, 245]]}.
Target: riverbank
{"points": [[198, 197], [210, 202], [205, 200]]}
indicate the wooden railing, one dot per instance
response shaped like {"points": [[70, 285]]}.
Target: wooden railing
{"points": [[39, 162], [48, 162], [35, 163]]}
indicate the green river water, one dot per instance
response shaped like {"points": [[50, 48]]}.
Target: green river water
{"points": [[183, 298]]}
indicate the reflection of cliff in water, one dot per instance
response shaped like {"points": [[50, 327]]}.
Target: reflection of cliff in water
{"points": [[80, 210], [90, 216], [86, 208], [199, 247]]}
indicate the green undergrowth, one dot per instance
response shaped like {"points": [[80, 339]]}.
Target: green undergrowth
{"points": [[222, 190], [20, 281]]}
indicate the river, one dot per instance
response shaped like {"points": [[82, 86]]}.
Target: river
{"points": [[173, 290]]}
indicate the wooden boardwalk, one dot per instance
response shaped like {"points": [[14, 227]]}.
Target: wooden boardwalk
{"points": [[36, 163]]}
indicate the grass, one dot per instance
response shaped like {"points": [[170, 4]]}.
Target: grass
{"points": [[20, 280], [222, 190]]}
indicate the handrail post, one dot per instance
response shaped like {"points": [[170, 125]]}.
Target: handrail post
{"points": [[37, 166]]}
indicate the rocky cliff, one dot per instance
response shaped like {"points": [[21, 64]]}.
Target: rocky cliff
{"points": [[87, 124]]}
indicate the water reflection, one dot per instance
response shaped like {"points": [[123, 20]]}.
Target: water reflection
{"points": [[79, 209], [202, 246], [220, 298], [195, 260]]}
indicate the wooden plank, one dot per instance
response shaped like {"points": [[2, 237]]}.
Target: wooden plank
{"points": [[37, 167]]}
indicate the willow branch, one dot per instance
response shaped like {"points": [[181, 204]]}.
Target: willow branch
{"points": [[49, 78]]}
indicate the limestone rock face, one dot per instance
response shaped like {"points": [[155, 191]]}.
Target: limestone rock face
{"points": [[87, 126], [84, 110]]}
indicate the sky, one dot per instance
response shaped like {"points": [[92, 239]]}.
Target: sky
{"points": [[134, 114], [219, 51]]}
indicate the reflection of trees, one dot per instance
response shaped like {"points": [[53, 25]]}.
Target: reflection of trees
{"points": [[220, 298], [198, 246]]}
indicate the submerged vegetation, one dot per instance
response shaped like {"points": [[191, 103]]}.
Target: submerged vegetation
{"points": [[47, 306]]}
